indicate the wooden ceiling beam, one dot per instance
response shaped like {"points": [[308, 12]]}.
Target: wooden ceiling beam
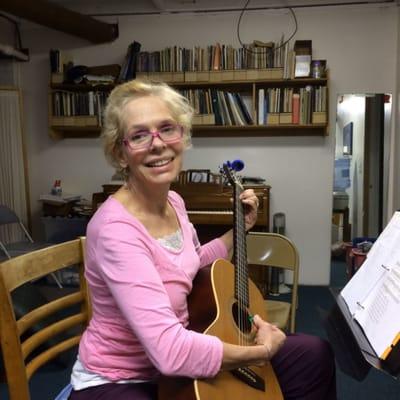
{"points": [[56, 17]]}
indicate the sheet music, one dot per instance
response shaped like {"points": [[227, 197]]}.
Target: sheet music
{"points": [[373, 293], [380, 317]]}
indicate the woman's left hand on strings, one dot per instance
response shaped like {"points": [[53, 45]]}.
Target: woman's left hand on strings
{"points": [[250, 201]]}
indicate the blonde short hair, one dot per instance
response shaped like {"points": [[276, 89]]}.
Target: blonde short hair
{"points": [[113, 122]]}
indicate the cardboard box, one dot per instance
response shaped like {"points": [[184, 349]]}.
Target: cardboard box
{"points": [[303, 55], [319, 118], [204, 119], [285, 118], [273, 119]]}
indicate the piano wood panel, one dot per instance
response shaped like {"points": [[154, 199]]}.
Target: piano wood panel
{"points": [[209, 206], [213, 207]]}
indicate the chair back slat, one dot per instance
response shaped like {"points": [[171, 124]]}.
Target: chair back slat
{"points": [[40, 313], [40, 263], [50, 354], [51, 331], [23, 357]]}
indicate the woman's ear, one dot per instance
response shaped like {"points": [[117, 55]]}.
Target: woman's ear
{"points": [[121, 157]]}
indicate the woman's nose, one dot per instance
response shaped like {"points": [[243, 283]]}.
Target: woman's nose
{"points": [[157, 142]]}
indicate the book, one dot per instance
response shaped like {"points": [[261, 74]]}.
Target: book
{"points": [[216, 61], [229, 107], [243, 108], [216, 107], [132, 64], [129, 66], [239, 119], [372, 295], [261, 107], [224, 108]]}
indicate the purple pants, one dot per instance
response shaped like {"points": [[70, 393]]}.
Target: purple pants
{"points": [[304, 366]]}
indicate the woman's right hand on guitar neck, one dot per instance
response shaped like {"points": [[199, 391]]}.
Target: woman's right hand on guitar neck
{"points": [[268, 335]]}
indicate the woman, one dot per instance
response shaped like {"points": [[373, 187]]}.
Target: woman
{"points": [[141, 257]]}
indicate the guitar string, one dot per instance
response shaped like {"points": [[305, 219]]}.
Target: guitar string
{"points": [[244, 281], [242, 276], [240, 214], [237, 261]]}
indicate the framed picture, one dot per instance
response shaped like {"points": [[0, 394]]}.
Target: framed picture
{"points": [[348, 139], [198, 175]]}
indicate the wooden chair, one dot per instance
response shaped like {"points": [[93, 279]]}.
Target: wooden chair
{"points": [[275, 250], [23, 355]]}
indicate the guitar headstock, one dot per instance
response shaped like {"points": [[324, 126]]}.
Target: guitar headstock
{"points": [[230, 174]]}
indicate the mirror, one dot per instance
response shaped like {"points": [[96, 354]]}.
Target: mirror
{"points": [[361, 165]]}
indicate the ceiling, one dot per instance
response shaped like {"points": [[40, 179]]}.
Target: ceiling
{"points": [[165, 6], [78, 17]]}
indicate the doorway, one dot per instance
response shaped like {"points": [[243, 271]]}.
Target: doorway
{"points": [[361, 165]]}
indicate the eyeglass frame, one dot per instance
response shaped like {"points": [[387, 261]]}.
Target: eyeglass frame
{"points": [[156, 133]]}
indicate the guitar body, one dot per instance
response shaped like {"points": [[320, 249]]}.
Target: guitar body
{"points": [[217, 317], [221, 304]]}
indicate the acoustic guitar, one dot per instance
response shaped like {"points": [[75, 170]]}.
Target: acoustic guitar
{"points": [[233, 300]]}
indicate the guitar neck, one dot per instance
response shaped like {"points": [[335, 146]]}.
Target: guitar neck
{"points": [[239, 246]]}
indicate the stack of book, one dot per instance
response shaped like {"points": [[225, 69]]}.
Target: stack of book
{"points": [[75, 104], [302, 106], [214, 57], [226, 108]]}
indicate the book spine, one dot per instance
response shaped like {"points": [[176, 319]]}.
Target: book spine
{"points": [[295, 108], [261, 109]]}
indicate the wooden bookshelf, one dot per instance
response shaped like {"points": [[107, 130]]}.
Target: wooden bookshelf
{"points": [[243, 82]]}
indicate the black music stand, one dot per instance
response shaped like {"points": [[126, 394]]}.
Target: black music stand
{"points": [[353, 352]]}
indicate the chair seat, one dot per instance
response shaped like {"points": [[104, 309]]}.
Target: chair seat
{"points": [[278, 313]]}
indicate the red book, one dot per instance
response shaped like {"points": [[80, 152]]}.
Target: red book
{"points": [[295, 108], [216, 66]]}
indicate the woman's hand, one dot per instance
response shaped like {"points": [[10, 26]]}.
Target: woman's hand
{"points": [[268, 335], [250, 201]]}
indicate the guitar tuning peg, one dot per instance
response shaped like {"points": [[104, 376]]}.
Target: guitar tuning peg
{"points": [[237, 165]]}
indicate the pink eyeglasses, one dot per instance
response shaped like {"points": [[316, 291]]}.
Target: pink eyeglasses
{"points": [[143, 139]]}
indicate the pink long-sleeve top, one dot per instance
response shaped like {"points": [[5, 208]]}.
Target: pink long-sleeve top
{"points": [[138, 292]]}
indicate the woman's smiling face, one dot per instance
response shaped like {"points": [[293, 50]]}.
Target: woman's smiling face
{"points": [[160, 162]]}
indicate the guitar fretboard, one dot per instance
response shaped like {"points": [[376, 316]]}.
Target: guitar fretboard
{"points": [[240, 253]]}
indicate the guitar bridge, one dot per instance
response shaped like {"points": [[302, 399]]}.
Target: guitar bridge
{"points": [[249, 377]]}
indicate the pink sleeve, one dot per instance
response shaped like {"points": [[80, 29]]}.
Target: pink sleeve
{"points": [[128, 270]]}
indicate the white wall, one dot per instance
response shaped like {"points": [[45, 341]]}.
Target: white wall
{"points": [[359, 44]]}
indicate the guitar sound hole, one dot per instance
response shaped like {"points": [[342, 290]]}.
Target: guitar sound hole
{"points": [[241, 317]]}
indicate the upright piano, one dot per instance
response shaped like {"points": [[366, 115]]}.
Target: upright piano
{"points": [[209, 205]]}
